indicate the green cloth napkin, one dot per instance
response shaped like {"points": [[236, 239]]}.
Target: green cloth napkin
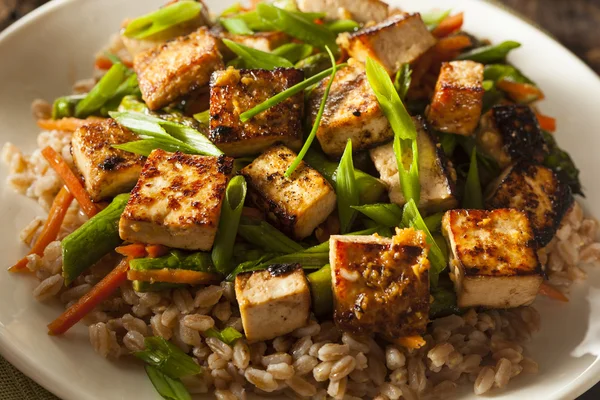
{"points": [[16, 386]]}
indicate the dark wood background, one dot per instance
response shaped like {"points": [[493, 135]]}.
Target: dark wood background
{"points": [[575, 23]]}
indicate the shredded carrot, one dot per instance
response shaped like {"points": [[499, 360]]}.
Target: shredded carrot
{"points": [[103, 63], [156, 250], [135, 250], [411, 342], [546, 123], [103, 290], [550, 291], [70, 180], [49, 233], [448, 25], [520, 92], [453, 44], [64, 124], [169, 275]]}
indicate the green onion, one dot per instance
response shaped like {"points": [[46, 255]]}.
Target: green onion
{"points": [[320, 290], [433, 18], [298, 25], [488, 85], [168, 388], [293, 52], [412, 218], [562, 164], [434, 221], [497, 72], [203, 117], [317, 122], [346, 190], [312, 65], [409, 180], [167, 358], [133, 103], [254, 22], [231, 211], [163, 19], [176, 259], [237, 26], [402, 80], [342, 25], [234, 9], [267, 237], [145, 146], [473, 197], [104, 90], [388, 215], [112, 57], [490, 54], [280, 97], [64, 107], [228, 335], [448, 142], [129, 87], [255, 58]]}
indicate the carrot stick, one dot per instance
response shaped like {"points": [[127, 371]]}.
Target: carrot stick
{"points": [[546, 123], [156, 250], [70, 180], [448, 25], [64, 124], [135, 250], [89, 301], [169, 275], [49, 233], [520, 92], [411, 342], [452, 44], [103, 63], [550, 291]]}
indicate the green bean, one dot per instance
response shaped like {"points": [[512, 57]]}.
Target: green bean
{"points": [[104, 90], [490, 54]]}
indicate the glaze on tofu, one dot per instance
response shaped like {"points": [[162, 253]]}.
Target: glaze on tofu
{"points": [[296, 205], [511, 133], [177, 201], [398, 40], [493, 257], [178, 68], [273, 302], [360, 11], [351, 112], [381, 285], [458, 98], [106, 171], [537, 191], [234, 91], [436, 173]]}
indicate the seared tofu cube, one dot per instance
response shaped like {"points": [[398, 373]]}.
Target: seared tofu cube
{"points": [[398, 40], [106, 171], [177, 201], [177, 68], [381, 285], [458, 98], [436, 173], [234, 91], [537, 191], [493, 257], [351, 112], [296, 205], [360, 11], [273, 302], [510, 133]]}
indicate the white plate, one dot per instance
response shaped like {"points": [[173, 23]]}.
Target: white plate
{"points": [[44, 53]]}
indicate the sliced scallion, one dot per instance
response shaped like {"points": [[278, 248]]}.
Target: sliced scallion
{"points": [[228, 335], [163, 19], [388, 215], [490, 54], [255, 58], [346, 190], [104, 90], [473, 197], [293, 52], [168, 388], [167, 358]]}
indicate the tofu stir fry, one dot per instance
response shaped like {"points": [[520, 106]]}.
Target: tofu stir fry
{"points": [[432, 188]]}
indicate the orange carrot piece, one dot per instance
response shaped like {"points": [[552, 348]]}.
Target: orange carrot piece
{"points": [[546, 123], [452, 44], [411, 342], [520, 92], [169, 275], [550, 291], [135, 250], [70, 180], [64, 124], [448, 25], [103, 63], [103, 290], [156, 250], [49, 233]]}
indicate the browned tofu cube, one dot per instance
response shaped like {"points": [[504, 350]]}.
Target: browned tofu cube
{"points": [[234, 91], [537, 191], [351, 112], [177, 68], [381, 285], [398, 40], [107, 171], [177, 201], [458, 98], [511, 133], [493, 257], [273, 302], [360, 11], [296, 205]]}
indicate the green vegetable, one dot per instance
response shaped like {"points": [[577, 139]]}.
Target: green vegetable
{"points": [[433, 18], [234, 9], [132, 103], [176, 259], [112, 57], [228, 335], [434, 221], [312, 65], [203, 117], [267, 237], [293, 52], [488, 85], [143, 287], [257, 59], [231, 211], [403, 80], [278, 98], [448, 142], [167, 388], [409, 180], [94, 239], [145, 146], [64, 107], [473, 197], [317, 121], [342, 25], [254, 22], [412, 218], [500, 73], [561, 163], [237, 26], [167, 358], [129, 87], [388, 215], [444, 299], [298, 25], [104, 90], [163, 19], [321, 292], [346, 190], [490, 54]]}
